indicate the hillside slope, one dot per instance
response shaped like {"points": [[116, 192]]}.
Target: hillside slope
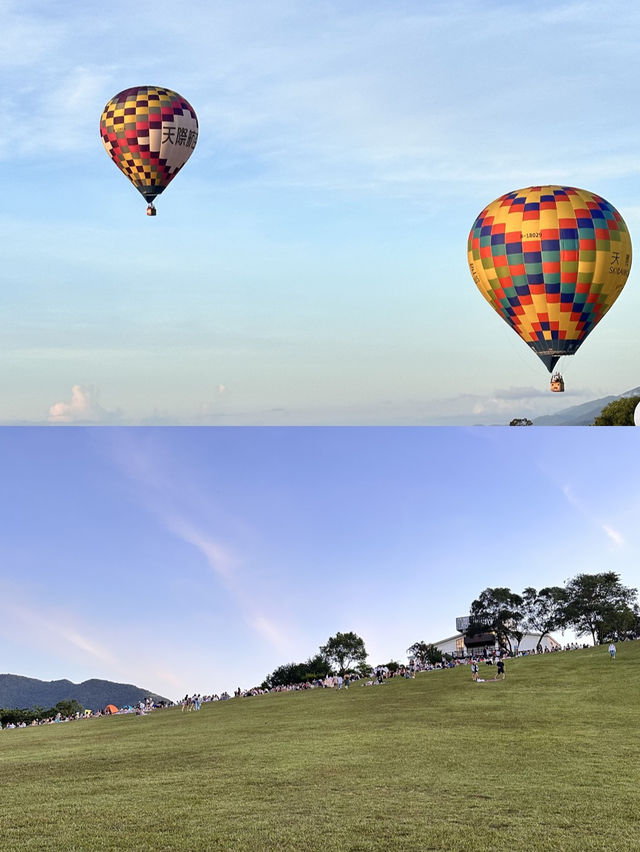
{"points": [[547, 759], [583, 414]]}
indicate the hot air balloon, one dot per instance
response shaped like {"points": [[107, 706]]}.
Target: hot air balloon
{"points": [[149, 133], [551, 260]]}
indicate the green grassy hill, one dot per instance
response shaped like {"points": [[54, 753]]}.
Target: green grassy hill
{"points": [[547, 759]]}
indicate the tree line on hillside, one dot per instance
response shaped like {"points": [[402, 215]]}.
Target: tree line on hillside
{"points": [[64, 709], [344, 653], [620, 412], [596, 604]]}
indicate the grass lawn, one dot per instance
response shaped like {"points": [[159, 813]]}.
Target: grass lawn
{"points": [[546, 760]]}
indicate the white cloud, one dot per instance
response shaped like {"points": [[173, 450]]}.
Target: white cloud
{"points": [[514, 402], [83, 408]]}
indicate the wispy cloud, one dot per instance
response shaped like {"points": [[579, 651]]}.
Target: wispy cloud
{"points": [[58, 631], [18, 28], [613, 534], [301, 94], [71, 640], [272, 632], [219, 558], [174, 498]]}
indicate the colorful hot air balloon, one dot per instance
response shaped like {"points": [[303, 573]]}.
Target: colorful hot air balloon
{"points": [[551, 260], [149, 133]]}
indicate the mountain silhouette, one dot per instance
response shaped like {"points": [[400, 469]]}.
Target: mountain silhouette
{"points": [[581, 415], [17, 692]]}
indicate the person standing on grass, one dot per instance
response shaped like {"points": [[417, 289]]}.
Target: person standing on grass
{"points": [[612, 651], [501, 669], [474, 669]]}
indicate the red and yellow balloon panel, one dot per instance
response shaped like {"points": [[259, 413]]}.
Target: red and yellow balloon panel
{"points": [[551, 260]]}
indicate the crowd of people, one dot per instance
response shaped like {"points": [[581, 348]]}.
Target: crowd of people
{"points": [[139, 709], [379, 675]]}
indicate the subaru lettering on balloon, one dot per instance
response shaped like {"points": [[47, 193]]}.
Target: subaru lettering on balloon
{"points": [[551, 260], [149, 133]]}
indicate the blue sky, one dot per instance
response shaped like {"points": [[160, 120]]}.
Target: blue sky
{"points": [[308, 266], [201, 559]]}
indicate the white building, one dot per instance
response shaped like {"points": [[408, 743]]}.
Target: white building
{"points": [[486, 643]]}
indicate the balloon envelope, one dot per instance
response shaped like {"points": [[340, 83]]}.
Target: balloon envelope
{"points": [[551, 260], [149, 133]]}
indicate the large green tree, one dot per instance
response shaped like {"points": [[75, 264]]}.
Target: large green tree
{"points": [[618, 413], [499, 611], [622, 624], [544, 611], [292, 673], [597, 603], [344, 651]]}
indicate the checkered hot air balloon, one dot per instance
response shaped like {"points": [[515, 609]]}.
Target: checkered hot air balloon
{"points": [[551, 260], [149, 133]]}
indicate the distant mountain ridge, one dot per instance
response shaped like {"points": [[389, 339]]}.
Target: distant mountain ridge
{"points": [[18, 692], [581, 415]]}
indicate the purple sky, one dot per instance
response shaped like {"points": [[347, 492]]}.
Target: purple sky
{"points": [[202, 558]]}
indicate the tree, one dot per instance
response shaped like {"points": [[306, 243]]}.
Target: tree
{"points": [[68, 707], [544, 611], [424, 653], [317, 667], [521, 421], [618, 413], [285, 675], [290, 673], [596, 603], [498, 611], [625, 624], [420, 651], [343, 651], [364, 669]]}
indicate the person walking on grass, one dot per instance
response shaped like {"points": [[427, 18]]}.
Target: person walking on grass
{"points": [[612, 651], [501, 669]]}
